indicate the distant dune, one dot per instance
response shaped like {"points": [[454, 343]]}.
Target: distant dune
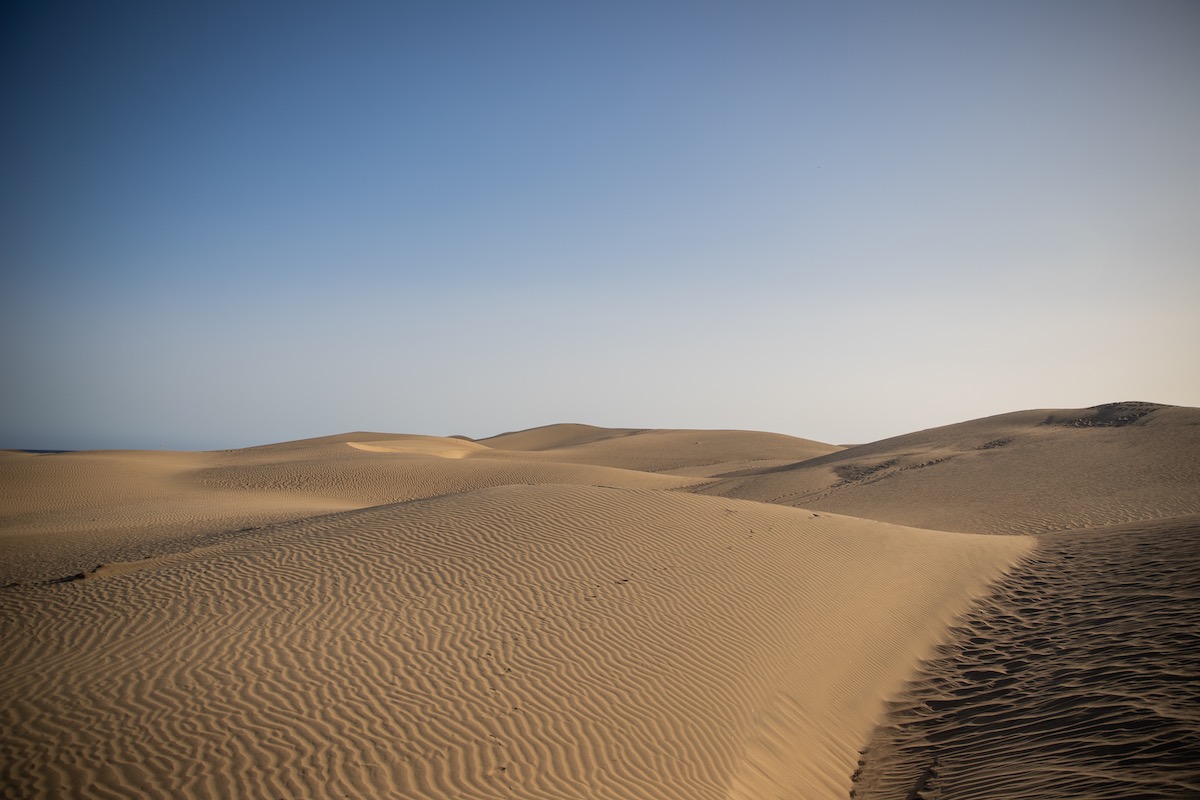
{"points": [[65, 513], [1028, 472], [581, 612], [677, 451]]}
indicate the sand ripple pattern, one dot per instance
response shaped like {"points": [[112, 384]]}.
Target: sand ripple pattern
{"points": [[1080, 678], [64, 513], [522, 641]]}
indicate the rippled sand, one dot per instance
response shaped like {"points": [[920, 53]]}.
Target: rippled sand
{"points": [[573, 611], [1080, 677]]}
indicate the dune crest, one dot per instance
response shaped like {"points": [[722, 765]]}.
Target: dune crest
{"points": [[422, 446], [692, 452]]}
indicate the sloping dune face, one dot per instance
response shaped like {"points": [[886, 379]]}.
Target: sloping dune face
{"points": [[65, 513], [551, 437], [1079, 678], [1027, 472], [682, 452], [519, 641]]}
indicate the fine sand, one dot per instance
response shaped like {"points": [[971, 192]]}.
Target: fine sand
{"points": [[571, 612], [1078, 678]]}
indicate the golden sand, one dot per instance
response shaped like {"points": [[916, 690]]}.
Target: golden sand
{"points": [[564, 612]]}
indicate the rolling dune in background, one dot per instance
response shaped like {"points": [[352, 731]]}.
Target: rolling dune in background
{"points": [[67, 512], [574, 611], [1026, 472]]}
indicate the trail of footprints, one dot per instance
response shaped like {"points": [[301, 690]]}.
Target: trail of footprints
{"points": [[1079, 678]]}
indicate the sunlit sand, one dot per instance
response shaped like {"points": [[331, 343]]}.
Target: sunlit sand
{"points": [[578, 612]]}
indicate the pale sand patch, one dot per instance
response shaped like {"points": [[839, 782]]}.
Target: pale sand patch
{"points": [[422, 446], [527, 641]]}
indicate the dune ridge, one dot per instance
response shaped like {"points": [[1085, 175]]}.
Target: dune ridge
{"points": [[675, 451]]}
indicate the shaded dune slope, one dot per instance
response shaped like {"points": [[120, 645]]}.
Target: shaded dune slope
{"points": [[1026, 472], [518, 641], [1079, 677]]}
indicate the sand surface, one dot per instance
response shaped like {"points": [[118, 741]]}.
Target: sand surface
{"points": [[65, 513], [1028, 472], [573, 611], [1080, 674]]}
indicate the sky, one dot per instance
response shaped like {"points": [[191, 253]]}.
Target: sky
{"points": [[228, 224]]}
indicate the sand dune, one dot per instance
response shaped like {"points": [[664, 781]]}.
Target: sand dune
{"points": [[549, 437], [1027, 472], [572, 612], [518, 641], [64, 513], [692, 452]]}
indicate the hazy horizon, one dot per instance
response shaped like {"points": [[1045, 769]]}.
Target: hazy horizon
{"points": [[487, 435], [234, 224]]}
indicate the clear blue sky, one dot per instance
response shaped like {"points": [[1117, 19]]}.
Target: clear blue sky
{"points": [[225, 224]]}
